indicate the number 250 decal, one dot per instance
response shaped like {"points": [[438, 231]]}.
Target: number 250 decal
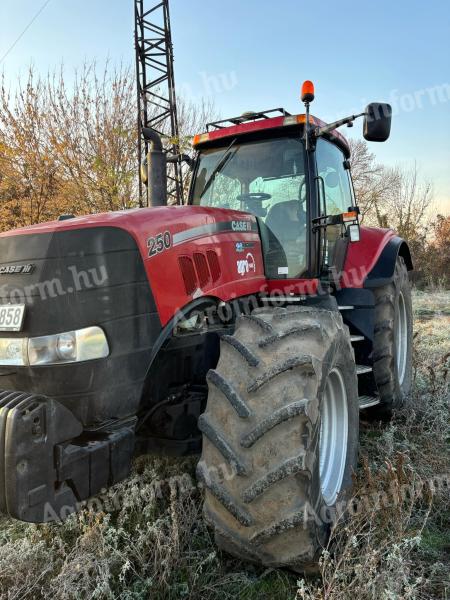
{"points": [[159, 243]]}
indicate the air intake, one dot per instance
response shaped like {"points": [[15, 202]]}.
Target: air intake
{"points": [[188, 273], [201, 267], [214, 265]]}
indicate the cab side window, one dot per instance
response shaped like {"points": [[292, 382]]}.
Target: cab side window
{"points": [[330, 166]]}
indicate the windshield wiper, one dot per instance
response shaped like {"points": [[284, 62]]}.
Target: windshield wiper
{"points": [[225, 157]]}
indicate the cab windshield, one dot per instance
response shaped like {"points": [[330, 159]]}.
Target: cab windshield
{"points": [[265, 178]]}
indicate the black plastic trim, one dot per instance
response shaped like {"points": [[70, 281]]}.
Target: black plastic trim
{"points": [[84, 277], [383, 271], [48, 464]]}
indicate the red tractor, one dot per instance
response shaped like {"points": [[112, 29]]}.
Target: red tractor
{"points": [[260, 318]]}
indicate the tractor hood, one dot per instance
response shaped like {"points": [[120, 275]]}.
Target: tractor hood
{"points": [[140, 223], [186, 251]]}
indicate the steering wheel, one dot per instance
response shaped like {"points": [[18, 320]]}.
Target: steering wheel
{"points": [[253, 197], [253, 202]]}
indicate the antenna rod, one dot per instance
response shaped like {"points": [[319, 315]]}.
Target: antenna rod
{"points": [[307, 126], [307, 98]]}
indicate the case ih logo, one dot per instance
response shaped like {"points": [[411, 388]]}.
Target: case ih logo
{"points": [[246, 265], [241, 225], [16, 269]]}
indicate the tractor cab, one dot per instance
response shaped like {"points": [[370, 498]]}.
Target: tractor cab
{"points": [[293, 173], [265, 177]]}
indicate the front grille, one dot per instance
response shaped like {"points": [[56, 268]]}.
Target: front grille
{"points": [[82, 278]]}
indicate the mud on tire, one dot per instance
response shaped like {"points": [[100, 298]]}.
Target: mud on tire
{"points": [[260, 464]]}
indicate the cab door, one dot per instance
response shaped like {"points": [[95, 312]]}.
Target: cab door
{"points": [[336, 197]]}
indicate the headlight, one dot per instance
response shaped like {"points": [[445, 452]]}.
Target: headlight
{"points": [[13, 351], [67, 347]]}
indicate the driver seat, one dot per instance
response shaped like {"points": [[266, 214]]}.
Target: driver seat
{"points": [[284, 220]]}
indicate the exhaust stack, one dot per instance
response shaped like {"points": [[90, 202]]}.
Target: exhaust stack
{"points": [[156, 168]]}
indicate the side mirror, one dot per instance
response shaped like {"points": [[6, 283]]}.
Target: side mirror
{"points": [[377, 122], [183, 158], [144, 172]]}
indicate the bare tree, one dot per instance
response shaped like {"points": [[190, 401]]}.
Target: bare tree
{"points": [[390, 197], [408, 207], [374, 183]]}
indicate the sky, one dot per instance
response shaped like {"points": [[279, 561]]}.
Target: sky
{"points": [[254, 55]]}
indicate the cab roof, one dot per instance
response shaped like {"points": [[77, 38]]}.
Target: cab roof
{"points": [[254, 122]]}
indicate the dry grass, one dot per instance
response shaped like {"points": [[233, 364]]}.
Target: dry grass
{"points": [[148, 540], [397, 545]]}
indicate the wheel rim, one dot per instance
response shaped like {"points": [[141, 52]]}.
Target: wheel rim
{"points": [[401, 338], [333, 437]]}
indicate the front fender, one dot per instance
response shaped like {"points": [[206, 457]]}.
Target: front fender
{"points": [[371, 261], [383, 271]]}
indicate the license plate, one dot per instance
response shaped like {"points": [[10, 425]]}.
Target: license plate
{"points": [[11, 317]]}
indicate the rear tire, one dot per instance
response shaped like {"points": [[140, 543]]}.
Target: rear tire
{"points": [[269, 491], [392, 345]]}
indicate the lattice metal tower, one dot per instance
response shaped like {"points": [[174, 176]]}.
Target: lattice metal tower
{"points": [[156, 90]]}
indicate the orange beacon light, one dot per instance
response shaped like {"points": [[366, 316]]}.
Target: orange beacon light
{"points": [[307, 91]]}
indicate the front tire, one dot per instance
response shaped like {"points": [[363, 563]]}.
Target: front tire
{"points": [[392, 345], [280, 435]]}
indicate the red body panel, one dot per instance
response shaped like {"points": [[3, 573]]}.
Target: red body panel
{"points": [[265, 124], [363, 255], [163, 268]]}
